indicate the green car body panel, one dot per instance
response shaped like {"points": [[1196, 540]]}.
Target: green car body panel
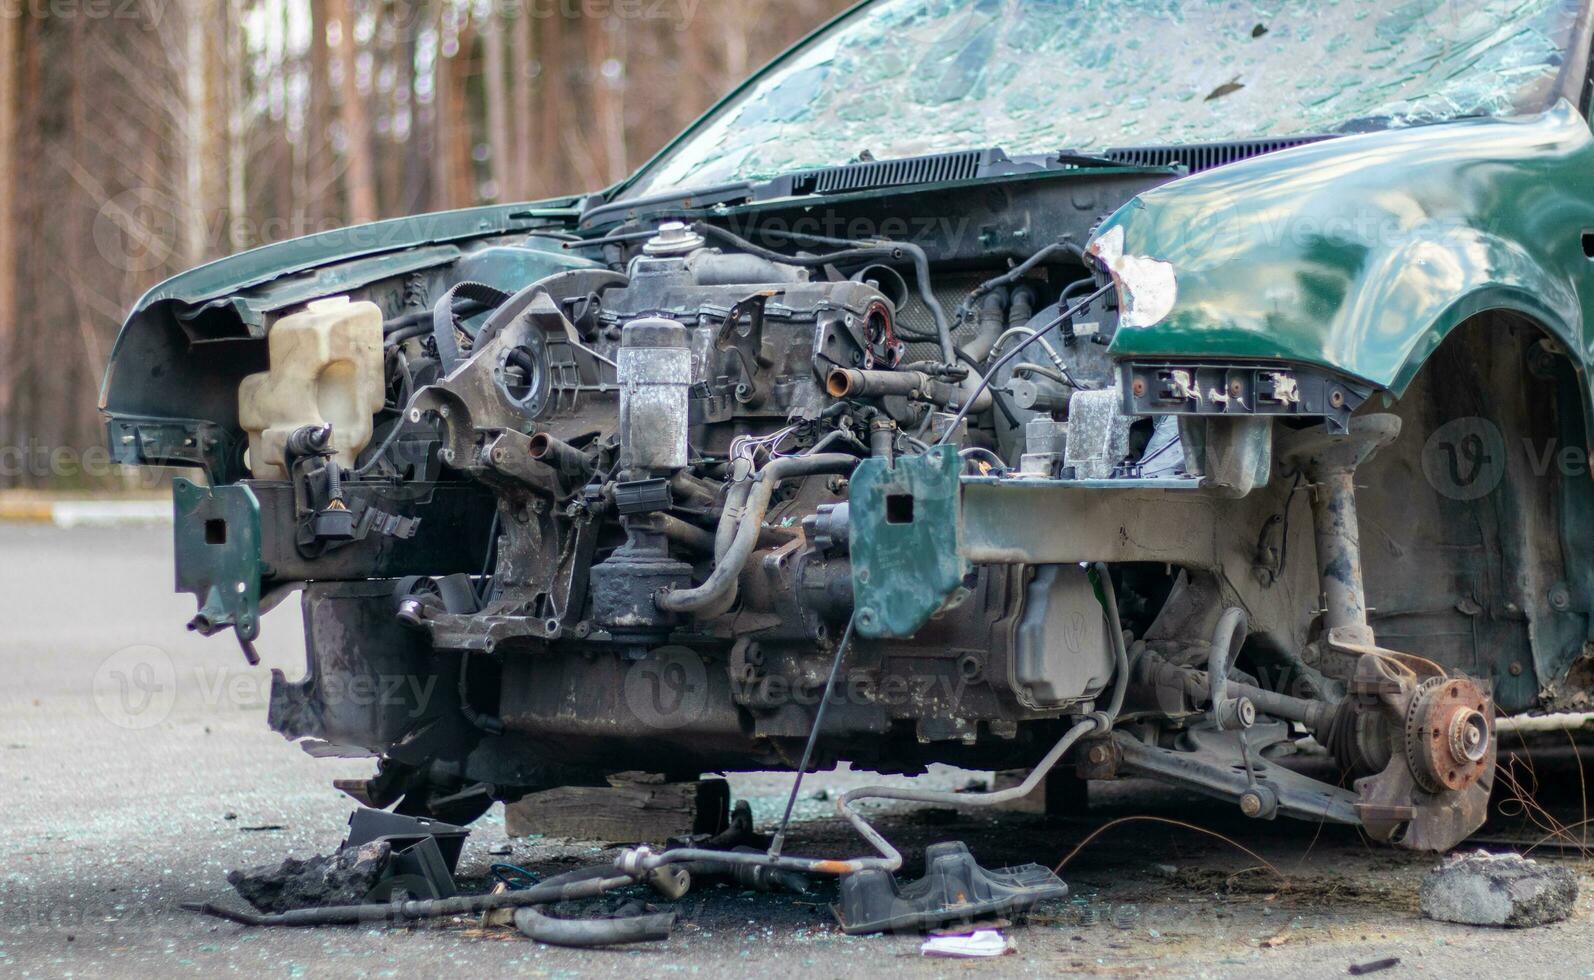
{"points": [[1360, 254]]}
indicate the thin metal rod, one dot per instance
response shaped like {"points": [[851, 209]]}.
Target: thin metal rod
{"points": [[813, 738]]}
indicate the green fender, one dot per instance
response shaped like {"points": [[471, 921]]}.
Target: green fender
{"points": [[1359, 254]]}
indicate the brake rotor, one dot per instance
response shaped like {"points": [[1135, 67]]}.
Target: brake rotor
{"points": [[1449, 732]]}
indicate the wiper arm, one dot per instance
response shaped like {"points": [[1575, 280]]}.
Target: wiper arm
{"points": [[671, 201], [1079, 158]]}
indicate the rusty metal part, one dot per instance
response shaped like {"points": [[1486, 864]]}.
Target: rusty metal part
{"points": [[851, 383], [1448, 734], [1330, 461], [1434, 790]]}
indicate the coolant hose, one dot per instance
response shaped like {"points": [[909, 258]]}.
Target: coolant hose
{"points": [[729, 567], [593, 932]]}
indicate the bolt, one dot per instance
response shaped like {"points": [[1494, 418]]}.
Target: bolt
{"points": [[1560, 598], [1515, 668], [1098, 755], [1251, 804], [411, 611]]}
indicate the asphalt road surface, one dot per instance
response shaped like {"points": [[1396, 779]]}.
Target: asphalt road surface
{"points": [[136, 770]]}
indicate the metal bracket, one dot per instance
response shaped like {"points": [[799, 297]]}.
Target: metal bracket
{"points": [[905, 533], [216, 537], [743, 333]]}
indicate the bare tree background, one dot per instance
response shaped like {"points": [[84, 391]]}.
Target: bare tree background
{"points": [[142, 137]]}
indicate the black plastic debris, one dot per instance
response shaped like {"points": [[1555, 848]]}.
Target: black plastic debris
{"points": [[366, 824], [425, 852], [954, 889]]}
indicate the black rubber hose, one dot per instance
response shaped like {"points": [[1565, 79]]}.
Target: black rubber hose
{"points": [[587, 933], [465, 307], [406, 391], [1017, 272]]}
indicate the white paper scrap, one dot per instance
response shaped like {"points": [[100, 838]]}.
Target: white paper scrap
{"points": [[981, 942]]}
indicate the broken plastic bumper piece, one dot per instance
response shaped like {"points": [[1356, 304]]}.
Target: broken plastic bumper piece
{"points": [[954, 889]]}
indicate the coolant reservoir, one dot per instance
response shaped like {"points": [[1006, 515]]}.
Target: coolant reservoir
{"points": [[326, 369]]}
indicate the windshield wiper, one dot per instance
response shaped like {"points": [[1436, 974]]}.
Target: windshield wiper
{"points": [[1079, 158]]}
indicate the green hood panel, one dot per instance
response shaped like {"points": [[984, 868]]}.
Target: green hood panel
{"points": [[268, 263], [1359, 254]]}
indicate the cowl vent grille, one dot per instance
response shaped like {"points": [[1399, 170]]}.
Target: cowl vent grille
{"points": [[1203, 156], [934, 169]]}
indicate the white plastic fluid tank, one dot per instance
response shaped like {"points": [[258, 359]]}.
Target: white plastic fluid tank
{"points": [[326, 369]]}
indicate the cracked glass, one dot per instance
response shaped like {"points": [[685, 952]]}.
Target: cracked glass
{"points": [[906, 77]]}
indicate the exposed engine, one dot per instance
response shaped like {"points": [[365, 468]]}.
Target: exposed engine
{"points": [[704, 483], [670, 451]]}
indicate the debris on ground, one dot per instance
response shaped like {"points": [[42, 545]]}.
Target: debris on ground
{"points": [[1483, 889], [1376, 966], [954, 889], [980, 943], [345, 877]]}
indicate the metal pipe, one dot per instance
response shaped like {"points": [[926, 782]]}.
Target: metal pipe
{"points": [[730, 565], [852, 383], [435, 908], [1569, 721], [688, 535], [573, 466]]}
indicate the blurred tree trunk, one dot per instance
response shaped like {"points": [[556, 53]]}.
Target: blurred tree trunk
{"points": [[359, 179], [553, 94], [520, 68], [417, 175], [235, 124], [191, 212], [455, 171], [500, 150], [9, 176], [319, 174]]}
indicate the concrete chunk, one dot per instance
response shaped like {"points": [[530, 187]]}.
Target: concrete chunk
{"points": [[1483, 889]]}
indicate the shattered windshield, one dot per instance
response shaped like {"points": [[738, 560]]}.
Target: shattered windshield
{"points": [[905, 77]]}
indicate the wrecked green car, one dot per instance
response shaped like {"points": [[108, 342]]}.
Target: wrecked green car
{"points": [[1189, 391]]}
